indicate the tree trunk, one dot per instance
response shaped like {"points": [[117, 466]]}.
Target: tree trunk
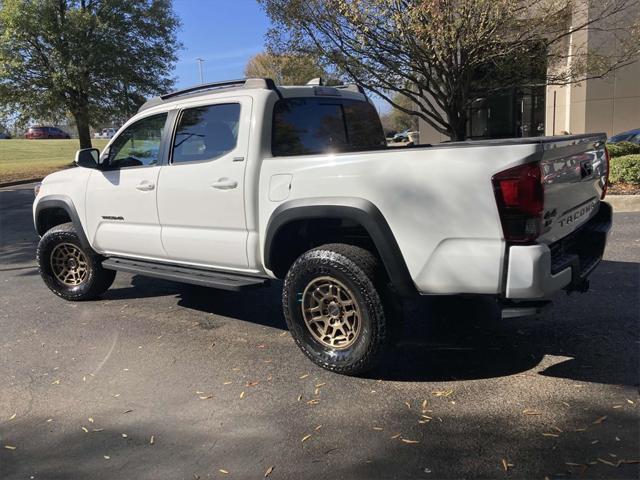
{"points": [[81, 116]]}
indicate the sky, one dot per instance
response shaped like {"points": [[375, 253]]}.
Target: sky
{"points": [[225, 34]]}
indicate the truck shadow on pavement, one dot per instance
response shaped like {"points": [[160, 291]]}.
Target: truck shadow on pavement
{"points": [[586, 338]]}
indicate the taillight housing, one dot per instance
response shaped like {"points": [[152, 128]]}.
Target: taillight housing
{"points": [[520, 198], [607, 159]]}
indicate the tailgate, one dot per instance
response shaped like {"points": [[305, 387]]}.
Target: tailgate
{"points": [[574, 172]]}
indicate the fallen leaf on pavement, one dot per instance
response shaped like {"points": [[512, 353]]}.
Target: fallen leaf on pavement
{"points": [[407, 404], [152, 440], [318, 428], [555, 435], [85, 430], [206, 397], [406, 440], [305, 438], [55, 382], [90, 419], [303, 376], [9, 447], [441, 393], [242, 394], [600, 420], [106, 457], [268, 472], [222, 470], [396, 435], [97, 430], [378, 428], [531, 411], [607, 462]]}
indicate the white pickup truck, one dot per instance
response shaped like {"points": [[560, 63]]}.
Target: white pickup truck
{"points": [[233, 184]]}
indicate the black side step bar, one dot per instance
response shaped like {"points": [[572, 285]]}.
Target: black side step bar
{"points": [[195, 276]]}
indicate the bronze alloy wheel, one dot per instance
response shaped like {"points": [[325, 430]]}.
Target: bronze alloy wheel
{"points": [[331, 313], [69, 264]]}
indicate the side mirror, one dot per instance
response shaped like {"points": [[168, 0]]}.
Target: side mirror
{"points": [[88, 158]]}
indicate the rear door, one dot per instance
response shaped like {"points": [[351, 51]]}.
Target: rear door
{"points": [[201, 192], [574, 173]]}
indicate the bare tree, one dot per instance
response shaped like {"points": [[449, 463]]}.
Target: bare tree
{"points": [[284, 69], [442, 54]]}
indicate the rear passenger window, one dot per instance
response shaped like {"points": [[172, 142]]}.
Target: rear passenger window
{"points": [[303, 126], [206, 133]]}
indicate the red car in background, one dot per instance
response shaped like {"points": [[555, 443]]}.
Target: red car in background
{"points": [[45, 132]]}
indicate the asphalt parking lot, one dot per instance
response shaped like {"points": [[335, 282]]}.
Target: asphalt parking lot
{"points": [[165, 381]]}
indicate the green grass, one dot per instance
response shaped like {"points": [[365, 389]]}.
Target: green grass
{"points": [[27, 159]]}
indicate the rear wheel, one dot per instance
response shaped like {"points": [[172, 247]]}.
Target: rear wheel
{"points": [[334, 305], [68, 269]]}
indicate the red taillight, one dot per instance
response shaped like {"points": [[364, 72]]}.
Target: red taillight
{"points": [[607, 158], [520, 197]]}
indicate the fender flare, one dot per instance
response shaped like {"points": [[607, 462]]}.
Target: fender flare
{"points": [[65, 203], [359, 210]]}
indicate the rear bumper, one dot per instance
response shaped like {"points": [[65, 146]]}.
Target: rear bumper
{"points": [[537, 271]]}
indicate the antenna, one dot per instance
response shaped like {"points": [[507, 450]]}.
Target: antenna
{"points": [[200, 62]]}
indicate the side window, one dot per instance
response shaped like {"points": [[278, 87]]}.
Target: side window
{"points": [[303, 126], [206, 133], [139, 144]]}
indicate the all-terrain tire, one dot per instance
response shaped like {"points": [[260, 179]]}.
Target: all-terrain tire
{"points": [[95, 280], [361, 273]]}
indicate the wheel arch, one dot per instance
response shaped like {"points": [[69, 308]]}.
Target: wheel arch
{"points": [[48, 214], [359, 211]]}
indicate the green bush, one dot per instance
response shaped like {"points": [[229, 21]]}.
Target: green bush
{"points": [[625, 169], [623, 148]]}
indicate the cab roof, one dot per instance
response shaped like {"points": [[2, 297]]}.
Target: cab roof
{"points": [[252, 83]]}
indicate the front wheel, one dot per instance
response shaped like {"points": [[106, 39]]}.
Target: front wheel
{"points": [[68, 269], [333, 305]]}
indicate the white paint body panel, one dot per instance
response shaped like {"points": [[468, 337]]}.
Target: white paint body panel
{"points": [[113, 193], [443, 217], [200, 223]]}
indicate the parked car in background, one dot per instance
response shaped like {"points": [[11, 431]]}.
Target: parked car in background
{"points": [[632, 136], [105, 133], [4, 136], [37, 133], [402, 136]]}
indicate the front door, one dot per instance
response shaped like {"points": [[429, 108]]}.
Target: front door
{"points": [[122, 214], [201, 190]]}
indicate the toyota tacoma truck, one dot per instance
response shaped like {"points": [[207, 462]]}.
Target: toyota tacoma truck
{"points": [[235, 184]]}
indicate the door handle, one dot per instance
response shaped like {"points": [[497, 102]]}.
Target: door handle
{"points": [[145, 186], [224, 183]]}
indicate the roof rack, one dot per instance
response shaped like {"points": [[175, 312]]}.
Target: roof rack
{"points": [[266, 83], [351, 87], [243, 82]]}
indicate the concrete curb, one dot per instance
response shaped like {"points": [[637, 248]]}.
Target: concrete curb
{"points": [[20, 182], [624, 203]]}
